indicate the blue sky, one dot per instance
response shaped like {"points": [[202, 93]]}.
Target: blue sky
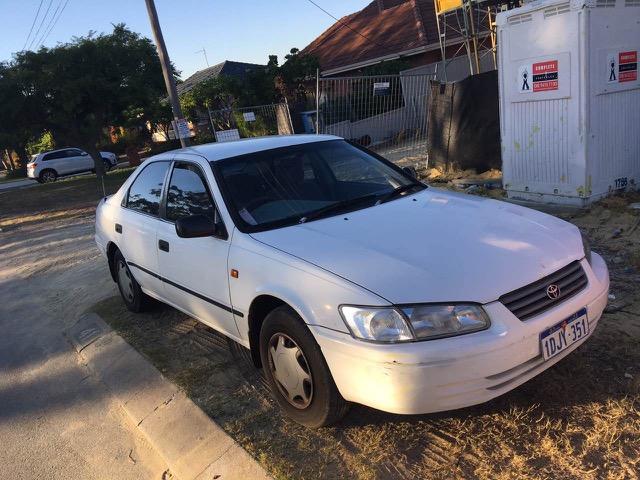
{"points": [[242, 30]]}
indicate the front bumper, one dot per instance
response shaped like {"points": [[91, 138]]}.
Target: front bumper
{"points": [[450, 373]]}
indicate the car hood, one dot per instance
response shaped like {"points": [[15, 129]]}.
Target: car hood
{"points": [[435, 246]]}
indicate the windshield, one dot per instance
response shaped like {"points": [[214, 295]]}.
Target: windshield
{"points": [[302, 183]]}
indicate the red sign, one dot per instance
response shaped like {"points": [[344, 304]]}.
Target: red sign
{"points": [[545, 76], [628, 66]]}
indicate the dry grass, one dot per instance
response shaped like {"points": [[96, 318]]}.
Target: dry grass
{"points": [[63, 195], [578, 420]]}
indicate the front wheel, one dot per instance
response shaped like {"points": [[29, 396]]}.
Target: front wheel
{"points": [[297, 372], [107, 165]]}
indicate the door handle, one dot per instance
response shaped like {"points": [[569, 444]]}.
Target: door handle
{"points": [[163, 245], [118, 228]]}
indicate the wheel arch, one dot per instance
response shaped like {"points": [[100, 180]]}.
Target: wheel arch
{"points": [[112, 248], [260, 307]]}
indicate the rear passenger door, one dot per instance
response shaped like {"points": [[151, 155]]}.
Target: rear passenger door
{"points": [[139, 223], [195, 269], [56, 161]]}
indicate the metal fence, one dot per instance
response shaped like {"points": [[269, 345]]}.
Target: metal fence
{"points": [[255, 121], [387, 114]]}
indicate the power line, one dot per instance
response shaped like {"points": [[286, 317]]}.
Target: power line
{"points": [[345, 24], [46, 29], [41, 24], [54, 22], [32, 25]]}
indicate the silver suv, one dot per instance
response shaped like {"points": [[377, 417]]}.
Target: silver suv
{"points": [[46, 167]]}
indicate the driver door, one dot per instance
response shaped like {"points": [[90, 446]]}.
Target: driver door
{"points": [[78, 161], [194, 270]]}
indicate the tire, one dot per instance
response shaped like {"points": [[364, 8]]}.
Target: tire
{"points": [[314, 401], [107, 165], [48, 176], [134, 298]]}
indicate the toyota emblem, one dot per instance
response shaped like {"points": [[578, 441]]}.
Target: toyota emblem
{"points": [[553, 291]]}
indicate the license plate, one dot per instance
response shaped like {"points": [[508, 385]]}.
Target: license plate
{"points": [[556, 339]]}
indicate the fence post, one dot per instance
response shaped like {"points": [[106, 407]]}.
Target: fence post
{"points": [[286, 104], [317, 101]]}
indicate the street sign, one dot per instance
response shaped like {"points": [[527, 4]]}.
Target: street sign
{"points": [[182, 128]]}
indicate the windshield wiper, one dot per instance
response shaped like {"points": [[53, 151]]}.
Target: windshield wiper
{"points": [[336, 207], [399, 191]]}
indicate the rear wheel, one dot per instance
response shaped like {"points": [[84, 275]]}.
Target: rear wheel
{"points": [[134, 298], [107, 165], [296, 371], [48, 176]]}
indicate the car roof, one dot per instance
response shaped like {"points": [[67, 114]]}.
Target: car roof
{"points": [[59, 149], [222, 150]]}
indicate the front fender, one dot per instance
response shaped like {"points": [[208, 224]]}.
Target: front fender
{"points": [[312, 292]]}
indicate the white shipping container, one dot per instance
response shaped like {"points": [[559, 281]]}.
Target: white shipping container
{"points": [[569, 99]]}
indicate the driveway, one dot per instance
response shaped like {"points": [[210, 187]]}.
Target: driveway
{"points": [[56, 419]]}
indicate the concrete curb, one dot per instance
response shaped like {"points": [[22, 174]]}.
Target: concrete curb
{"points": [[192, 444]]}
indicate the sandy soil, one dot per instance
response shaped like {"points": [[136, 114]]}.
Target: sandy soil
{"points": [[580, 419]]}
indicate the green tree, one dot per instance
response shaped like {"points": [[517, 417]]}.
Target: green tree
{"points": [[295, 75], [21, 118], [89, 84]]}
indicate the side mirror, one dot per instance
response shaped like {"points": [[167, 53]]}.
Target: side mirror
{"points": [[84, 154], [195, 226], [409, 170]]}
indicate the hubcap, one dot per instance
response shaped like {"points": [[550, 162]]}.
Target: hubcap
{"points": [[290, 370], [125, 281]]}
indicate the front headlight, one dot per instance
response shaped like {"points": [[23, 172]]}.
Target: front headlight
{"points": [[436, 321], [414, 322], [384, 325], [587, 247]]}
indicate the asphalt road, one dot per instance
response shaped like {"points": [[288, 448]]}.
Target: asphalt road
{"points": [[57, 420]]}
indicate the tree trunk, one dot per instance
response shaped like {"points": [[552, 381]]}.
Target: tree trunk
{"points": [[98, 166], [6, 161]]}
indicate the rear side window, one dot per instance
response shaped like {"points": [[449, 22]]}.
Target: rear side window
{"points": [[188, 194], [55, 155], [144, 193]]}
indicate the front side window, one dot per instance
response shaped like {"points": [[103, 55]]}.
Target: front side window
{"points": [[74, 152], [145, 191], [301, 183], [188, 194]]}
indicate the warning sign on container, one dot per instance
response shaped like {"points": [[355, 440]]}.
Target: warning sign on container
{"points": [[538, 77], [628, 66], [622, 66], [545, 76]]}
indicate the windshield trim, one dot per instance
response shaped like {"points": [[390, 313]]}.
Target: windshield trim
{"points": [[244, 227]]}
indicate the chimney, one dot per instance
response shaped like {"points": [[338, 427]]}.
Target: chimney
{"points": [[380, 4]]}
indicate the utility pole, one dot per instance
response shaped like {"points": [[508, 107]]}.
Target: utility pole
{"points": [[166, 69]]}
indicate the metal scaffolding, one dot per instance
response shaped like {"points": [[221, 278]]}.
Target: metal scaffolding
{"points": [[473, 22]]}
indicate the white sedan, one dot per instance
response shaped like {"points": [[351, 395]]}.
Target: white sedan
{"points": [[349, 280]]}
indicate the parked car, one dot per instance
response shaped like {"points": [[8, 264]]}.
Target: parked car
{"points": [[347, 279], [46, 167]]}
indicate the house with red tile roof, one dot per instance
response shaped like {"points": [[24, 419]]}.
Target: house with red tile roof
{"points": [[382, 31]]}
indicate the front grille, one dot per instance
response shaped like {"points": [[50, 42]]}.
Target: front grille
{"points": [[532, 299]]}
